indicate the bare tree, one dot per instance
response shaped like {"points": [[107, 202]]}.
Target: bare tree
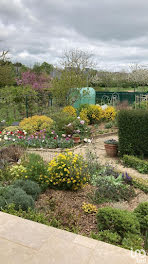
{"points": [[77, 59]]}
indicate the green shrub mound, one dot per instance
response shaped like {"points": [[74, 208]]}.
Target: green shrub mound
{"points": [[35, 167], [116, 220], [108, 237], [133, 131], [136, 163], [141, 213], [132, 241], [17, 196], [111, 189], [30, 187]]}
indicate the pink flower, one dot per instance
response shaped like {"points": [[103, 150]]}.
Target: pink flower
{"points": [[63, 135], [82, 122]]}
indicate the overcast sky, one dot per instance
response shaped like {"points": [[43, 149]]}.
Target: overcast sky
{"points": [[115, 31]]}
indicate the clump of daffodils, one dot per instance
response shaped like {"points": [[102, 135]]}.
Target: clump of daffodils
{"points": [[68, 171], [89, 208]]}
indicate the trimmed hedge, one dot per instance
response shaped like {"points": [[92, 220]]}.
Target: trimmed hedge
{"points": [[136, 163], [133, 132]]}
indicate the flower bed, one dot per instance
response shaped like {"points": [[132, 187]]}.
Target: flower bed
{"points": [[78, 195]]}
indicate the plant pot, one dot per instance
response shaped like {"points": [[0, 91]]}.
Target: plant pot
{"points": [[111, 149], [76, 140]]}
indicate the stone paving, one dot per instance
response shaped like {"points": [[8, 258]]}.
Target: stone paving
{"points": [[26, 242]]}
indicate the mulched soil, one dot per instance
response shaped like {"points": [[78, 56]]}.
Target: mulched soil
{"points": [[66, 206]]}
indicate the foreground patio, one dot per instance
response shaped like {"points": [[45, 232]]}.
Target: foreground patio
{"points": [[26, 242]]}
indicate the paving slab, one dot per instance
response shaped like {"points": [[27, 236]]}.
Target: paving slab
{"points": [[26, 242]]}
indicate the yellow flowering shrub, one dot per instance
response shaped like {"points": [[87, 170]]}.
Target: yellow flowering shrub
{"points": [[68, 171], [17, 171], [89, 208], [70, 110], [109, 113], [36, 123], [93, 114], [83, 115]]}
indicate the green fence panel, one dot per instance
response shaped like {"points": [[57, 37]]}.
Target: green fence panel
{"points": [[123, 96]]}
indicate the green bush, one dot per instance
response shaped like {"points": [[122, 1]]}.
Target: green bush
{"points": [[35, 168], [141, 213], [136, 163], [132, 241], [30, 187], [109, 125], [30, 214], [111, 189], [133, 131], [61, 120], [17, 196], [140, 183], [116, 220], [108, 237]]}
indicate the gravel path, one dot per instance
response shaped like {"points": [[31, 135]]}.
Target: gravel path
{"points": [[97, 147]]}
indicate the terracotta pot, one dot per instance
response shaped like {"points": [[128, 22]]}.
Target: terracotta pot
{"points": [[76, 139], [111, 149]]}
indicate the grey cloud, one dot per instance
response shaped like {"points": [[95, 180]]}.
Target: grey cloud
{"points": [[114, 31]]}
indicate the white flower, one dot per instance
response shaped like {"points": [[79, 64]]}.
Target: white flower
{"points": [[85, 140], [13, 139], [5, 137], [0, 139], [78, 117], [89, 140]]}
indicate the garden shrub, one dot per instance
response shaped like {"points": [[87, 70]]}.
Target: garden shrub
{"points": [[17, 171], [116, 220], [68, 171], [136, 163], [36, 168], [133, 131], [61, 120], [30, 214], [36, 123], [140, 183], [70, 110], [133, 241], [111, 189], [30, 187], [108, 237], [109, 113], [141, 213], [17, 196], [93, 114]]}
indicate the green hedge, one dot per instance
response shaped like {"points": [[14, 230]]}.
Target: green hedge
{"points": [[133, 132], [136, 163]]}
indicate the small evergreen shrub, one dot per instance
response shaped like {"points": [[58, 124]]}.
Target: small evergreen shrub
{"points": [[133, 131], [141, 213], [112, 189], [17, 196], [140, 183], [36, 168], [133, 241], [108, 237], [116, 220], [136, 163], [30, 187]]}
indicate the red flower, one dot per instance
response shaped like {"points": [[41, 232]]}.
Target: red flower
{"points": [[0, 132], [55, 138]]}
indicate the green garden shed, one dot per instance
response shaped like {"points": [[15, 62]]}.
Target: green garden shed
{"points": [[87, 96]]}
